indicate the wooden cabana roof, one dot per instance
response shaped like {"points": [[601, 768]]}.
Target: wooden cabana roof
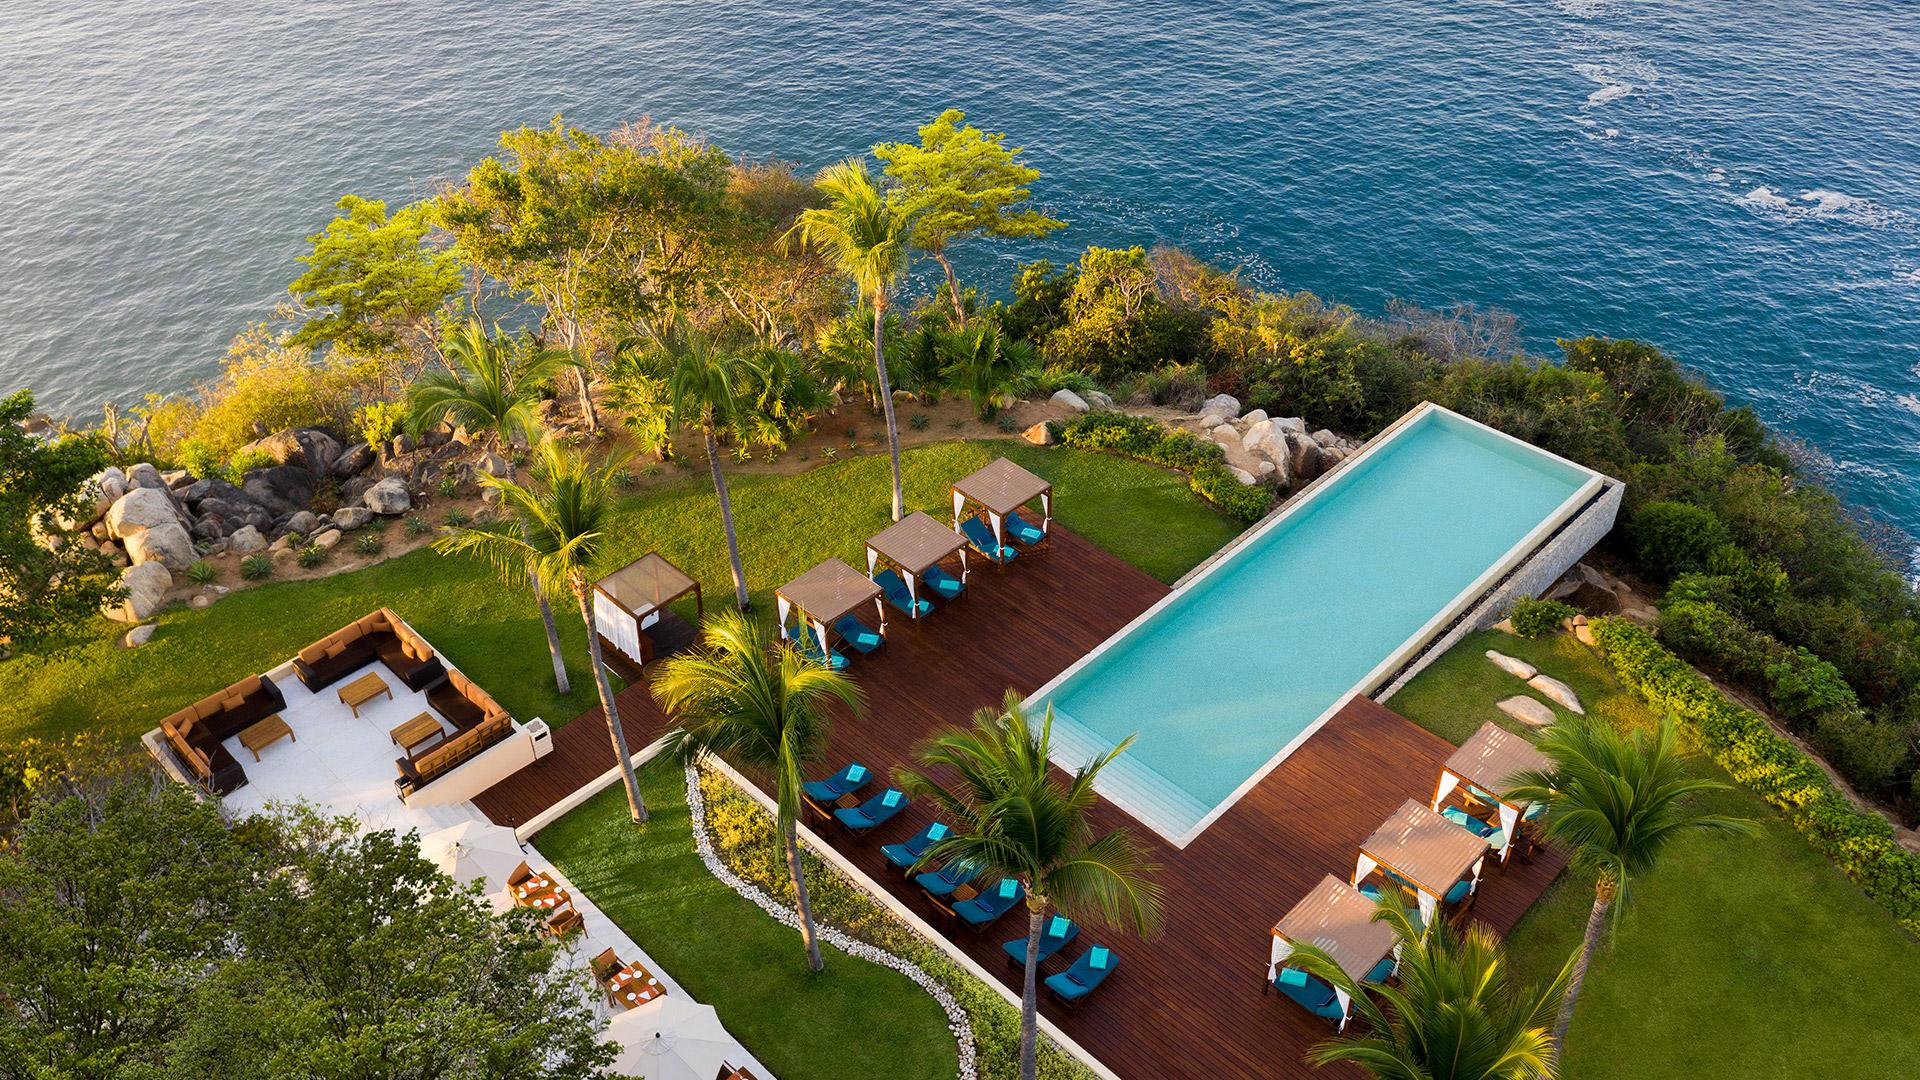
{"points": [[646, 583], [1338, 918], [829, 590], [1001, 486], [916, 542], [1424, 847], [1489, 760]]}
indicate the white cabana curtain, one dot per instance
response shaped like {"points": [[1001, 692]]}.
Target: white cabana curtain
{"points": [[1046, 509], [1509, 814], [785, 607], [959, 504], [1282, 948], [617, 625], [913, 591]]}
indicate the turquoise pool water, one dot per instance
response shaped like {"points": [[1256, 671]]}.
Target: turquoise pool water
{"points": [[1233, 668]]}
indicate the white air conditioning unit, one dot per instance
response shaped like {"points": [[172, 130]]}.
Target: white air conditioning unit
{"points": [[542, 737]]}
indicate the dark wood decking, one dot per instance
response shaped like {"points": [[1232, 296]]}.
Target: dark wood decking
{"points": [[1188, 1003]]}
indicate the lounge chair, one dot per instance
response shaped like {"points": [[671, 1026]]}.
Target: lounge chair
{"points": [[1381, 971], [940, 883], [1073, 985], [1460, 891], [810, 648], [1024, 532], [874, 812], [1058, 931], [857, 634], [894, 587], [943, 584], [981, 537], [905, 856], [1312, 994], [1468, 822], [845, 782], [994, 901]]}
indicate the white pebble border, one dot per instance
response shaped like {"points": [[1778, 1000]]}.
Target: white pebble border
{"points": [[957, 1021]]}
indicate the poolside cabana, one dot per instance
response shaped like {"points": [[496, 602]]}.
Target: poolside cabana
{"points": [[997, 491], [825, 596], [912, 546], [1338, 919], [634, 598], [1438, 860], [1484, 765]]}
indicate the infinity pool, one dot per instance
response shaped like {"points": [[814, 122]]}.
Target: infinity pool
{"points": [[1224, 677]]}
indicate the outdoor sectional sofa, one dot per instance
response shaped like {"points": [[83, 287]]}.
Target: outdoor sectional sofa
{"points": [[195, 732]]}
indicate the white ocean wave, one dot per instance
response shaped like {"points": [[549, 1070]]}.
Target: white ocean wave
{"points": [[1585, 9], [1616, 78], [1823, 204]]}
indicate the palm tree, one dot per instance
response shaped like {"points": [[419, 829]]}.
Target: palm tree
{"points": [[1455, 1014], [563, 517], [1619, 803], [984, 362], [707, 388], [865, 237], [491, 386], [1011, 817], [763, 707]]}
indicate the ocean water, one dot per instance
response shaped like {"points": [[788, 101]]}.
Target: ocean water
{"points": [[1242, 663], [1737, 182]]}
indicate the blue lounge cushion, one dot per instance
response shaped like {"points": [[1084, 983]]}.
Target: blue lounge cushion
{"points": [[847, 780], [1082, 977], [810, 648], [981, 537], [1467, 821], [945, 585], [908, 853], [1380, 971], [991, 904], [1024, 531], [1460, 891], [894, 587], [1370, 891], [875, 811], [943, 881], [1058, 932], [858, 634]]}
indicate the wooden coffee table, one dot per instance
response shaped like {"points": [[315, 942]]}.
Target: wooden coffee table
{"points": [[264, 733], [415, 731], [364, 689]]}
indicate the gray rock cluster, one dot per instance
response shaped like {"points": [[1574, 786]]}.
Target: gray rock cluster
{"points": [[1276, 449]]}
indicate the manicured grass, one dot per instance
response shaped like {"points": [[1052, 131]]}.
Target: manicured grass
{"points": [[855, 1018], [492, 631], [1740, 957]]}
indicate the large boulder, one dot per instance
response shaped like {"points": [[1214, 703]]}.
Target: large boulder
{"points": [[349, 518], [146, 476], [1326, 438], [1039, 435], [1290, 425], [246, 540], [1305, 460], [146, 586], [1558, 691], [210, 487], [304, 522], [1219, 409], [1254, 416], [493, 464], [1529, 711], [282, 489], [1512, 665], [220, 517], [388, 497], [139, 510], [326, 538], [1069, 400], [1099, 401], [170, 544], [353, 460], [310, 448]]}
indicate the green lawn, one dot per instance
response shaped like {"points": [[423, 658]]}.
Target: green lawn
{"points": [[786, 524], [1738, 957], [855, 1018]]}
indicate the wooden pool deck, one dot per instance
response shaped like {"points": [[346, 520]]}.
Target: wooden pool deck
{"points": [[1189, 1003]]}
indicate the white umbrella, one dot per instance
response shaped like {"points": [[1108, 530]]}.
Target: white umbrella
{"points": [[477, 851], [672, 1038]]}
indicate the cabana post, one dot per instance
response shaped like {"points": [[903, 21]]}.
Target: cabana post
{"points": [[912, 545], [999, 489], [1486, 764], [633, 598]]}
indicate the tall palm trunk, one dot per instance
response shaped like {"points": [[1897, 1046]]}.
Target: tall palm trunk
{"points": [[553, 634], [1596, 921], [620, 752], [789, 837], [726, 519], [1029, 997], [953, 288], [886, 393]]}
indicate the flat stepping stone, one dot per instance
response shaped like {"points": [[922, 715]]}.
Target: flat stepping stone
{"points": [[1512, 665], [1529, 711], [1558, 692]]}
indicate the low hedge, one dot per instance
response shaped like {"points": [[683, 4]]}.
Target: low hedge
{"points": [[1151, 441], [1860, 844]]}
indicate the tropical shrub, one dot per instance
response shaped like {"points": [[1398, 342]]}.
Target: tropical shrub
{"points": [[312, 555], [368, 543], [1537, 618], [1149, 440], [1868, 752], [256, 567], [1801, 684], [379, 421], [267, 385], [1861, 844], [418, 526], [201, 572], [1671, 538], [1706, 633]]}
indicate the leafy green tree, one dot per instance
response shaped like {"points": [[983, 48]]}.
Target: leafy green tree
{"points": [[1455, 1012], [374, 287], [1113, 320], [492, 386], [1620, 803], [51, 585], [960, 182], [588, 227], [1011, 817], [562, 518], [864, 236], [142, 934], [763, 707]]}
